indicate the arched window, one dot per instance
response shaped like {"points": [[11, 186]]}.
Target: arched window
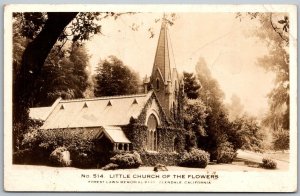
{"points": [[157, 84], [152, 133], [176, 88], [174, 110], [176, 144]]}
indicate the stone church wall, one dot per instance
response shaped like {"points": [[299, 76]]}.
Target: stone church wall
{"points": [[137, 134], [170, 138], [166, 137], [168, 152]]}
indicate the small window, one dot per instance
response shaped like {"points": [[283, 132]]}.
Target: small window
{"points": [[62, 107], [134, 101], [85, 105], [109, 103], [157, 84]]}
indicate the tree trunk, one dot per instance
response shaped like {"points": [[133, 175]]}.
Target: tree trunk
{"points": [[33, 60]]}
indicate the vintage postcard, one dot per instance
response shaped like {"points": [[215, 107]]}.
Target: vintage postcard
{"points": [[150, 98]]}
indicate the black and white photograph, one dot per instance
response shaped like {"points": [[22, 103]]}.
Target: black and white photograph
{"points": [[150, 98]]}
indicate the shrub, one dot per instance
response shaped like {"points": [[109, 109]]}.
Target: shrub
{"points": [[22, 156], [60, 157], [79, 142], [83, 159], [20, 129], [34, 156], [281, 140], [127, 160], [153, 158], [30, 139], [190, 141], [195, 158], [225, 153], [110, 166], [268, 163], [37, 145]]}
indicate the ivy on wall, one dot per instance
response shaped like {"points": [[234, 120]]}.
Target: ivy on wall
{"points": [[163, 119], [137, 134], [170, 135], [171, 139]]}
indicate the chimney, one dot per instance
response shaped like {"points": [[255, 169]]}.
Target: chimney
{"points": [[146, 83]]}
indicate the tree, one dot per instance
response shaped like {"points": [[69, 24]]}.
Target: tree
{"points": [[34, 57], [44, 30], [210, 91], [235, 108], [191, 85], [273, 30], [78, 62], [194, 116], [217, 123], [281, 140], [246, 134], [63, 75], [114, 78]]}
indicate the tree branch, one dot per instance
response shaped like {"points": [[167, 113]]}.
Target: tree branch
{"points": [[276, 29]]}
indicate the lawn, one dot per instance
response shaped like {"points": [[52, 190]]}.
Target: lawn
{"points": [[278, 155]]}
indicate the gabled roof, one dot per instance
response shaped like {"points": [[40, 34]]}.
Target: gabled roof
{"points": [[96, 112], [115, 134], [41, 113]]}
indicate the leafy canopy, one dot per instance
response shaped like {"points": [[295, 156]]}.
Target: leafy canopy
{"points": [[191, 85], [114, 78]]}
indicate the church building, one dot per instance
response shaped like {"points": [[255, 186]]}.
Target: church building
{"points": [[149, 123]]}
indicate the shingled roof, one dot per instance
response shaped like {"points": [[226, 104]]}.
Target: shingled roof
{"points": [[95, 112], [162, 58]]}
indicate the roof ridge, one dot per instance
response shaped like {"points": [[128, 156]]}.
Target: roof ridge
{"points": [[104, 97], [40, 107]]}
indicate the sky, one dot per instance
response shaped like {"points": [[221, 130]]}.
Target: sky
{"points": [[221, 39]]}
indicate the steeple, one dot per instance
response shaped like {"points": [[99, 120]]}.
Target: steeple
{"points": [[163, 80], [162, 59]]}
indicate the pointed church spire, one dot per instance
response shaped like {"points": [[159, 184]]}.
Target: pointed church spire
{"points": [[163, 82], [162, 59]]}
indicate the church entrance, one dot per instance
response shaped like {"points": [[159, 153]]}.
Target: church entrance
{"points": [[152, 133]]}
